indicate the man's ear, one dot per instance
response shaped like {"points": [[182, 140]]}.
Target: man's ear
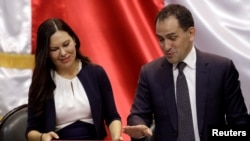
{"points": [[191, 32]]}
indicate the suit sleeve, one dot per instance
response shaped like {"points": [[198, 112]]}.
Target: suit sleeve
{"points": [[236, 111], [141, 111]]}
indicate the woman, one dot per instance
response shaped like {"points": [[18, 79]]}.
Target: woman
{"points": [[69, 98]]}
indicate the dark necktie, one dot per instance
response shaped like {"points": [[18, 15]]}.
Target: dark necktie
{"points": [[185, 122]]}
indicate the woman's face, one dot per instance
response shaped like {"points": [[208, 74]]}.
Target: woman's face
{"points": [[62, 50]]}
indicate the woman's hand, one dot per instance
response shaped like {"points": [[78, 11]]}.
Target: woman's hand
{"points": [[118, 139], [49, 136]]}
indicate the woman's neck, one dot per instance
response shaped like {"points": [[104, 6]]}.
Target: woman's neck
{"points": [[71, 72]]}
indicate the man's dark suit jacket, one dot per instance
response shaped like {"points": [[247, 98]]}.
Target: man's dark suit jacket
{"points": [[218, 93], [100, 95]]}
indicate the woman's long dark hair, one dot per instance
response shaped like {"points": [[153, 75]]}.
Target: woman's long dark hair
{"points": [[42, 85]]}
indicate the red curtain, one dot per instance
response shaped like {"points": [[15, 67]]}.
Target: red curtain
{"points": [[117, 34]]}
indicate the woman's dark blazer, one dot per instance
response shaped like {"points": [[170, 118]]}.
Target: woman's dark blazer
{"points": [[99, 92]]}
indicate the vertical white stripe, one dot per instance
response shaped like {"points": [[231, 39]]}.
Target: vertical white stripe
{"points": [[223, 28], [15, 37]]}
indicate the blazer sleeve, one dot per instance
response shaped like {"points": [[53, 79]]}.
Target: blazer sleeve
{"points": [[109, 106]]}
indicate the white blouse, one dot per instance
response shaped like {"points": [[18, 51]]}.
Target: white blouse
{"points": [[71, 101]]}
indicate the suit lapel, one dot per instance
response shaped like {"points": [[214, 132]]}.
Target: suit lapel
{"points": [[202, 77], [202, 74], [166, 76]]}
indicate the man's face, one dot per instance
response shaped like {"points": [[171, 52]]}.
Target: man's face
{"points": [[174, 41]]}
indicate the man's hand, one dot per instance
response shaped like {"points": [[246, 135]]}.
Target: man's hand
{"points": [[137, 131]]}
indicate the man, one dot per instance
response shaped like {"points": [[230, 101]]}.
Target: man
{"points": [[213, 86]]}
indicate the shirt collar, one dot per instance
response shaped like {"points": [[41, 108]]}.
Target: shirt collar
{"points": [[190, 59]]}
